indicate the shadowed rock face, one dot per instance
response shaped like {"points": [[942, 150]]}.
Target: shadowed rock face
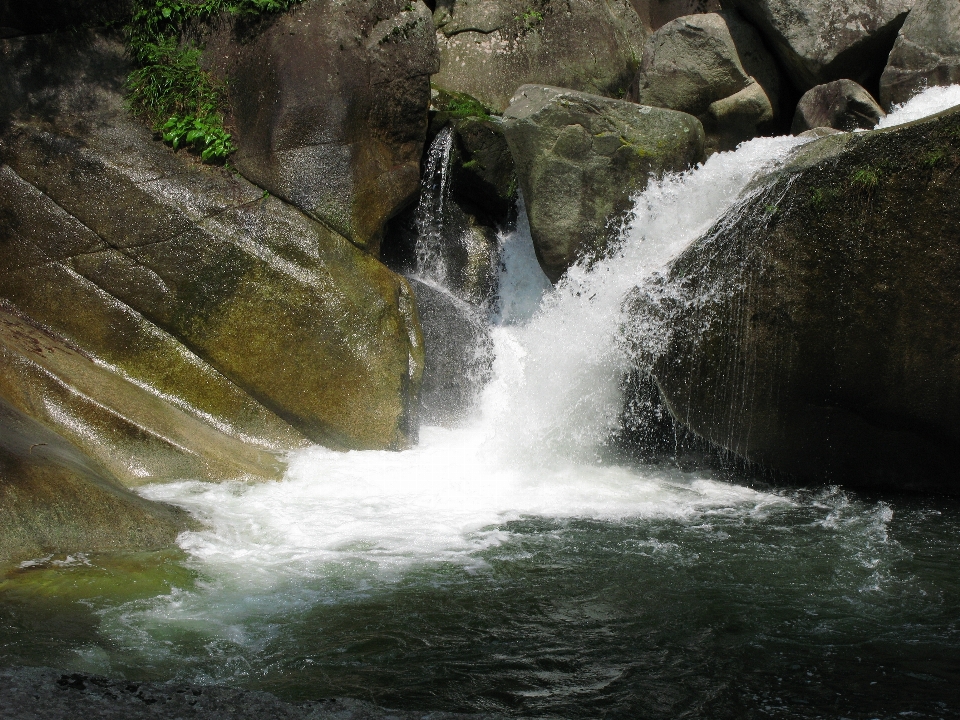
{"points": [[927, 52], [489, 48], [841, 105], [459, 355], [814, 331], [328, 103], [41, 16], [172, 320], [715, 67], [823, 40], [656, 13], [580, 159]]}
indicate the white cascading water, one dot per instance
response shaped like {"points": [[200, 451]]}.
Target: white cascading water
{"points": [[434, 196], [531, 448]]}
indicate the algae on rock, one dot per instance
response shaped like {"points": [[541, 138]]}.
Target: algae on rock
{"points": [[197, 327]]}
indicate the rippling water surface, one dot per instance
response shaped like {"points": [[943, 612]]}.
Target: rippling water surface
{"points": [[510, 565]]}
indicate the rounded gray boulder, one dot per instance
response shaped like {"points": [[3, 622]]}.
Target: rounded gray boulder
{"points": [[580, 160], [841, 105], [713, 66]]}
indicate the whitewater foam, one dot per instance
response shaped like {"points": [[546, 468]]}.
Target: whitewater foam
{"points": [[929, 102]]}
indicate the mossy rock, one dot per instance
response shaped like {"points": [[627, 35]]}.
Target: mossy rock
{"points": [[54, 499], [813, 332], [581, 158], [198, 326]]}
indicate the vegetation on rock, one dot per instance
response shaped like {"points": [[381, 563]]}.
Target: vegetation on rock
{"points": [[170, 88]]}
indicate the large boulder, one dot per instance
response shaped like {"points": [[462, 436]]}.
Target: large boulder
{"points": [[926, 53], [328, 104], [814, 331], [713, 66], [171, 319], [841, 105], [823, 40], [489, 48], [580, 160], [54, 499]]}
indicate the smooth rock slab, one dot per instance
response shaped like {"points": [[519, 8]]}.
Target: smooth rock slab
{"points": [[581, 158], [193, 299], [52, 497]]}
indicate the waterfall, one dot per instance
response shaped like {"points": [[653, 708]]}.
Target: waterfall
{"points": [[432, 210], [532, 445], [509, 561]]}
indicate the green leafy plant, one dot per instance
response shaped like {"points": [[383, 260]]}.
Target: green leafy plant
{"points": [[460, 105], [205, 134], [530, 18], [866, 178], [821, 197], [169, 86]]}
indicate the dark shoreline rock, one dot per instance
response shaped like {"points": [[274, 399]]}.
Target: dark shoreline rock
{"points": [[28, 693]]}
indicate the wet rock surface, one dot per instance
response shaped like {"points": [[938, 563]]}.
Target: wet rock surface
{"points": [[328, 103], [52, 496], [841, 105], [581, 158], [458, 357], [45, 694], [926, 53], [215, 325], [813, 331]]}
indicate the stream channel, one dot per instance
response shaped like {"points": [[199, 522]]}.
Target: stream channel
{"points": [[511, 565]]}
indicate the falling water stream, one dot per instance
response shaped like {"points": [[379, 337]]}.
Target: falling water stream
{"points": [[510, 565]]}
